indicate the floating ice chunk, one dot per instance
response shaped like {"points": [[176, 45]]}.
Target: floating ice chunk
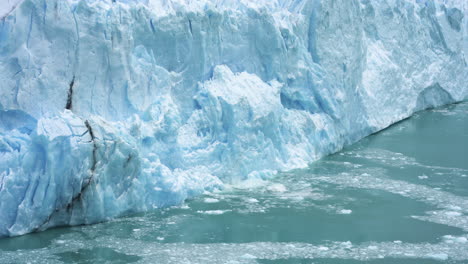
{"points": [[453, 239], [453, 213], [454, 208], [248, 256], [210, 200], [346, 244], [438, 256], [213, 212], [277, 187]]}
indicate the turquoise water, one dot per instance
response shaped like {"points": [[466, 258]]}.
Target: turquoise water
{"points": [[399, 196]]}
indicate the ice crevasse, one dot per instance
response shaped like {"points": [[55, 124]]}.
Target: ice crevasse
{"points": [[114, 107]]}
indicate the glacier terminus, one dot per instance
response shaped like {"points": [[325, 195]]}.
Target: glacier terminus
{"points": [[109, 107]]}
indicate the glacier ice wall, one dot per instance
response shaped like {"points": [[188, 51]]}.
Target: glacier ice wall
{"points": [[114, 107]]}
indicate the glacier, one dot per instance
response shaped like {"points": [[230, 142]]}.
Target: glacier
{"points": [[109, 107]]}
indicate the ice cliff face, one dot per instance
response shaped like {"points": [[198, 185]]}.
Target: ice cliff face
{"points": [[114, 107]]}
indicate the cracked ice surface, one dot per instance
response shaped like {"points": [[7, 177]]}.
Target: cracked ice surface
{"points": [[112, 108]]}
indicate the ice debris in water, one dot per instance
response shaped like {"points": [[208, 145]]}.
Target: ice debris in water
{"points": [[211, 200], [114, 107], [277, 187], [213, 212], [345, 211]]}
